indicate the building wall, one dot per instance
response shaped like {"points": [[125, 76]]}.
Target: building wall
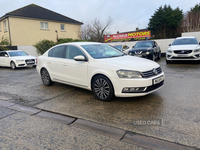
{"points": [[28, 31], [4, 33]]}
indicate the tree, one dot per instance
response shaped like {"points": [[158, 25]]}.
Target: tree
{"points": [[166, 22], [191, 20], [3, 43], [95, 30]]}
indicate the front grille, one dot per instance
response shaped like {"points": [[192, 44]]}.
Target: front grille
{"points": [[151, 73], [155, 86], [183, 51], [182, 58], [30, 61]]}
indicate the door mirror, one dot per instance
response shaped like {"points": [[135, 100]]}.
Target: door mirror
{"points": [[80, 58], [6, 55], [170, 44], [133, 46]]}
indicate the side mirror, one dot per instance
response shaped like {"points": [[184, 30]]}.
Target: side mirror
{"points": [[170, 44], [6, 55], [154, 46], [80, 58], [133, 46], [199, 43]]}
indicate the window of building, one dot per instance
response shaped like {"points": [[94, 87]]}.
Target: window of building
{"points": [[5, 26], [44, 25], [62, 27]]}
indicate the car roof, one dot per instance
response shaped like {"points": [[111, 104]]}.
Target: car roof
{"points": [[81, 43], [10, 50], [186, 37]]}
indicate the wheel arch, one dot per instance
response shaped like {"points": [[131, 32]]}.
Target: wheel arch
{"points": [[100, 74]]}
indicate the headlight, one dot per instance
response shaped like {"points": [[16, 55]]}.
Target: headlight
{"points": [[196, 50], [147, 52], [169, 51], [128, 74], [19, 60]]}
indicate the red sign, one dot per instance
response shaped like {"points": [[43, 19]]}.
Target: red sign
{"points": [[127, 36]]}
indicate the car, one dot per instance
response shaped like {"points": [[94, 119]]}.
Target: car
{"points": [[146, 49], [123, 48], [183, 48], [16, 59], [100, 68]]}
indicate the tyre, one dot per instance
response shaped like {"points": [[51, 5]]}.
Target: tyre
{"points": [[46, 79], [102, 88], [153, 57], [159, 55], [168, 61], [12, 65]]}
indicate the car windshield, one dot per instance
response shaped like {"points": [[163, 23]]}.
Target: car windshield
{"points": [[185, 41], [17, 53], [143, 44], [98, 51], [119, 47]]}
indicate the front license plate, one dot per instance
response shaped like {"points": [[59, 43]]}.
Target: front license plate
{"points": [[182, 55], [30, 62], [138, 55], [158, 80]]}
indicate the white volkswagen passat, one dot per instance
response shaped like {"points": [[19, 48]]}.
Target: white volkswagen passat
{"points": [[183, 48], [16, 59], [100, 68]]}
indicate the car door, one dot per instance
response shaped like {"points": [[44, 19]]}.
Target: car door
{"points": [[4, 59], [54, 62], [75, 72]]}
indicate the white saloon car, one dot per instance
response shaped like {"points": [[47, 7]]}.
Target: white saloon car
{"points": [[16, 58], [183, 48], [100, 68]]}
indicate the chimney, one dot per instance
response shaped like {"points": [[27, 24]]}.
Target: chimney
{"points": [[137, 29], [117, 32]]}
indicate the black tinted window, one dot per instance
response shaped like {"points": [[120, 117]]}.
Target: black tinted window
{"points": [[2, 54], [58, 52]]}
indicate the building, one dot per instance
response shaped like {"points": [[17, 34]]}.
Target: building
{"points": [[30, 24]]}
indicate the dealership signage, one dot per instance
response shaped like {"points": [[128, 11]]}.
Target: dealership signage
{"points": [[132, 36]]}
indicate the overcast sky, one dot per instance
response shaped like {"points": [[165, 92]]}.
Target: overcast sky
{"points": [[126, 14]]}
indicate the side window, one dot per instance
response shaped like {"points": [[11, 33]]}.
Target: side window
{"points": [[2, 54], [58, 52], [50, 53], [73, 51]]}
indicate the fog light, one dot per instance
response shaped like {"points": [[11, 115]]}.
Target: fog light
{"points": [[133, 89]]}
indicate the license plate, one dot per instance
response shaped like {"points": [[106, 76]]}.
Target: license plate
{"points": [[30, 62], [182, 55], [138, 55], [158, 80]]}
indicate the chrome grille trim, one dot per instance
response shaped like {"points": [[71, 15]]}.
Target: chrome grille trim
{"points": [[151, 73]]}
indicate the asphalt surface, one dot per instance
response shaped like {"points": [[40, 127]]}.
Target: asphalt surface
{"points": [[170, 114]]}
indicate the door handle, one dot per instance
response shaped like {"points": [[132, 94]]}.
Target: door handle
{"points": [[64, 64]]}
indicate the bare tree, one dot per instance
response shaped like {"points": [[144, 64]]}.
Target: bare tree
{"points": [[94, 30], [191, 20]]}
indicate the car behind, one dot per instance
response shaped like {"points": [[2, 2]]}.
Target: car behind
{"points": [[16, 59], [183, 48]]}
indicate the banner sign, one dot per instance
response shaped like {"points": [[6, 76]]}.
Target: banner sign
{"points": [[128, 36]]}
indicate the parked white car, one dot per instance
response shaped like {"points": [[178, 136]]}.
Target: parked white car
{"points": [[16, 59], [183, 48], [100, 68]]}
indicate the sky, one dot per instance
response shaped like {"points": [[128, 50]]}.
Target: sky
{"points": [[127, 15]]}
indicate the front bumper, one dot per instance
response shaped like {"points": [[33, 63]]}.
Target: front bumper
{"points": [[25, 63], [145, 83], [192, 56]]}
